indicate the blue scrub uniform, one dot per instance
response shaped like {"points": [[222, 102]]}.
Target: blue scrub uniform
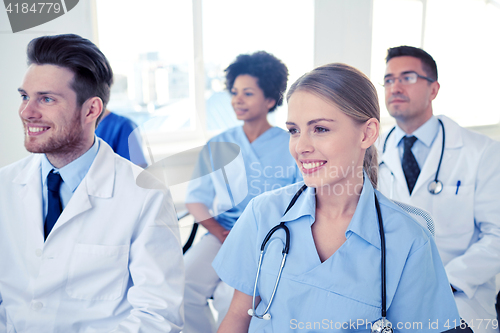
{"points": [[121, 134], [344, 292], [267, 165]]}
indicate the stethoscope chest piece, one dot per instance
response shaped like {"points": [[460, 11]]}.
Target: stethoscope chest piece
{"points": [[435, 187], [382, 326]]}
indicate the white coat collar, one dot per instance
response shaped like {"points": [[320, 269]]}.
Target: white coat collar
{"points": [[99, 182], [453, 140], [453, 134], [29, 177], [99, 179], [30, 169], [425, 133], [73, 172]]}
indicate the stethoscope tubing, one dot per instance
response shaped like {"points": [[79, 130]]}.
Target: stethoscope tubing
{"points": [[272, 231], [442, 151], [436, 180], [382, 258], [252, 311], [266, 315], [286, 247]]}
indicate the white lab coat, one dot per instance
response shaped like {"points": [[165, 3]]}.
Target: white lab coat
{"points": [[468, 222], [112, 262]]}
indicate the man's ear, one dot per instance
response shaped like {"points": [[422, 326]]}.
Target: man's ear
{"points": [[371, 130], [434, 89], [92, 108]]}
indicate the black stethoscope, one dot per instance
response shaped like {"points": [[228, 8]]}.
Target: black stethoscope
{"points": [[435, 186], [382, 325]]}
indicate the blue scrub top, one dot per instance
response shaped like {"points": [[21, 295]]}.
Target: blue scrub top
{"points": [[344, 292], [123, 136], [263, 165]]}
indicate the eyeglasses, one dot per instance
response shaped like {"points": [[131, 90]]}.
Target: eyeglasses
{"points": [[405, 79]]}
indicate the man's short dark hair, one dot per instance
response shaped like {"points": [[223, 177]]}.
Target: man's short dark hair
{"points": [[93, 74], [270, 72], [428, 64]]}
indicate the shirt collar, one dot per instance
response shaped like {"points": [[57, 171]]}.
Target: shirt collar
{"points": [[364, 222], [305, 204], [74, 172], [425, 133]]}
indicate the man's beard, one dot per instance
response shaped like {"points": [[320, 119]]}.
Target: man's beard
{"points": [[65, 142]]}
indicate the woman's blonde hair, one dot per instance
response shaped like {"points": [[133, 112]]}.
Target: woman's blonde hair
{"points": [[352, 92]]}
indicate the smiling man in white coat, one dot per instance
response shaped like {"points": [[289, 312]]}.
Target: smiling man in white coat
{"points": [[82, 247], [433, 163]]}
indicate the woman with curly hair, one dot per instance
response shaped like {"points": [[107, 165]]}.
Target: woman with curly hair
{"points": [[257, 83]]}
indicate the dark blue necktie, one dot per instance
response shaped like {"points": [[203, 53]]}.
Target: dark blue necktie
{"points": [[54, 181], [409, 163]]}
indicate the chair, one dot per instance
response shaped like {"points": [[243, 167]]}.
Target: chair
{"points": [[421, 216], [180, 215]]}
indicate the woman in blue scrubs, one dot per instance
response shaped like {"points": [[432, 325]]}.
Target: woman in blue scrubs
{"points": [[331, 280], [257, 83]]}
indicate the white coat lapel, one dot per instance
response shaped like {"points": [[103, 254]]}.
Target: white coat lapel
{"points": [[392, 161], [98, 182], [429, 168], [453, 140], [31, 195], [78, 204]]}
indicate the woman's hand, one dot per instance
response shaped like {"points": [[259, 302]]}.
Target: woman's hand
{"points": [[222, 235], [202, 215]]}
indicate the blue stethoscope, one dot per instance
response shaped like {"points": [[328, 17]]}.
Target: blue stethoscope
{"points": [[382, 325], [435, 186]]}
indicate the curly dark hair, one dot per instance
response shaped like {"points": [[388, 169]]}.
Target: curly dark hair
{"points": [[93, 74], [270, 72]]}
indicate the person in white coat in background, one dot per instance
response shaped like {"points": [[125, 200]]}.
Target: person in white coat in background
{"points": [[433, 163], [83, 248]]}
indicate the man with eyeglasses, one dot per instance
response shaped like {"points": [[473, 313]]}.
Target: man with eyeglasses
{"points": [[432, 163]]}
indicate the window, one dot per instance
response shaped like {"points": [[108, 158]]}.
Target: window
{"points": [[150, 48], [154, 62], [281, 27]]}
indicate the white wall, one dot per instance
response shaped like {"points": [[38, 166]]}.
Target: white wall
{"points": [[13, 66], [343, 33]]}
